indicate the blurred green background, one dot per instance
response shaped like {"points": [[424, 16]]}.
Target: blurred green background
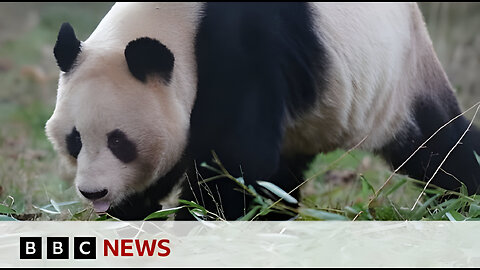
{"points": [[30, 179]]}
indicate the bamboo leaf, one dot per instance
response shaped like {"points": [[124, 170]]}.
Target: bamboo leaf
{"points": [[163, 213], [321, 215], [474, 210], [250, 213], [477, 157], [55, 205], [454, 216], [278, 191], [7, 218], [205, 165], [44, 209]]}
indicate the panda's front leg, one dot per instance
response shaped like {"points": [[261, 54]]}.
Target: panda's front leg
{"points": [[135, 207], [225, 199], [221, 197]]}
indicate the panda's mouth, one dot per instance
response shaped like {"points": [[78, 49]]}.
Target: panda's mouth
{"points": [[101, 206]]}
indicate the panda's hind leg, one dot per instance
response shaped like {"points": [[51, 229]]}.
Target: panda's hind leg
{"points": [[429, 115]]}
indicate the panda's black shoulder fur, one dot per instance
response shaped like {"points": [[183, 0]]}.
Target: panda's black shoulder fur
{"points": [[256, 64], [272, 44]]}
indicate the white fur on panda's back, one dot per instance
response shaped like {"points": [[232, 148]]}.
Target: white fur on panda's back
{"points": [[370, 48]]}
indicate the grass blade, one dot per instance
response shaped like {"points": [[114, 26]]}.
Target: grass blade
{"points": [[6, 210], [366, 186], [421, 211], [396, 186], [450, 205]]}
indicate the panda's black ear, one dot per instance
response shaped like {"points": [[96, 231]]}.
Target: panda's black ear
{"points": [[66, 48], [149, 56]]}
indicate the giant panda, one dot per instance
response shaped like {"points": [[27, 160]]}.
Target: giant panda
{"points": [[158, 88]]}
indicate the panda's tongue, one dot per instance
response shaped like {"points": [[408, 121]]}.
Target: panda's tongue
{"points": [[101, 206]]}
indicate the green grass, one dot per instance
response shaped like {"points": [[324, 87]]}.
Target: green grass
{"points": [[341, 186]]}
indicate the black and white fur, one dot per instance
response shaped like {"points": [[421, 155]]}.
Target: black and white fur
{"points": [[158, 86]]}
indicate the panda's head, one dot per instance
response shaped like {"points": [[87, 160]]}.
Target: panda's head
{"points": [[118, 120]]}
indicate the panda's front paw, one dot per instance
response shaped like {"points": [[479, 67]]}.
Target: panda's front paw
{"points": [[134, 208]]}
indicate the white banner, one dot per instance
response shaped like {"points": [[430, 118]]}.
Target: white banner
{"points": [[239, 244]]}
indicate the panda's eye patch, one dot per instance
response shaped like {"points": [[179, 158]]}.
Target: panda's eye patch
{"points": [[121, 147], [74, 143]]}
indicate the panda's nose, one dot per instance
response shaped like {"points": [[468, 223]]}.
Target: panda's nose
{"points": [[94, 195]]}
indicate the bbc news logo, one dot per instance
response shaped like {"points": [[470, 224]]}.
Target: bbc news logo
{"points": [[58, 247], [85, 248]]}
